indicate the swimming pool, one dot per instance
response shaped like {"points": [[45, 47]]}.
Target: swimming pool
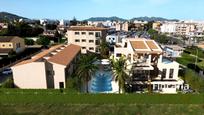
{"points": [[101, 82]]}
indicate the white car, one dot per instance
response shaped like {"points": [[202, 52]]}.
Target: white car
{"points": [[7, 71]]}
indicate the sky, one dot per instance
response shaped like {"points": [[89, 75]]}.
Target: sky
{"points": [[83, 9]]}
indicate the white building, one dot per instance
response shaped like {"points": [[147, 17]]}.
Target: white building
{"points": [[173, 51], [168, 28], [48, 69], [115, 38], [88, 37], [148, 67], [64, 22]]}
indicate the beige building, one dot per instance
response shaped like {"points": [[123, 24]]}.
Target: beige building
{"points": [[156, 26], [122, 26], [48, 69], [87, 37], [11, 43], [147, 66]]}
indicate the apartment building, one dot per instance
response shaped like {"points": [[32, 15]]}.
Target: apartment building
{"points": [[147, 67], [87, 37], [168, 28], [11, 43], [48, 69], [122, 26]]}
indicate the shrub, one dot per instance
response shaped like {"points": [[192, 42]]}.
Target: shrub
{"points": [[194, 80], [8, 84]]}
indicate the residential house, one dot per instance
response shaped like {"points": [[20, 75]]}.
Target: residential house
{"points": [[10, 44], [48, 69], [115, 38], [88, 37], [3, 25], [173, 51], [147, 67]]}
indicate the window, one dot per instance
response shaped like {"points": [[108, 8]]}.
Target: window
{"points": [[91, 41], [125, 45], [171, 73], [91, 33], [83, 47], [83, 33], [77, 40], [164, 73], [76, 33], [118, 55], [83, 40], [91, 48], [3, 45], [9, 45], [98, 34], [97, 42]]}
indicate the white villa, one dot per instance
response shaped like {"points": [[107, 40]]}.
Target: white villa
{"points": [[147, 66]]}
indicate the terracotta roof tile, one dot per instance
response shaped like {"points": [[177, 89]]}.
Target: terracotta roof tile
{"points": [[86, 28], [65, 56], [7, 38], [39, 55]]}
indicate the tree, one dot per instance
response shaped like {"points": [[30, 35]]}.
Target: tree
{"points": [[119, 72], [86, 68], [43, 41], [50, 26], [104, 49], [29, 41], [73, 22], [148, 25], [58, 36]]}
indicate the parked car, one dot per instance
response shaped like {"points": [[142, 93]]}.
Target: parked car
{"points": [[7, 71]]}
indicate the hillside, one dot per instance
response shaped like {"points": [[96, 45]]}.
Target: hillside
{"points": [[114, 18], [5, 16], [137, 18], [152, 19]]}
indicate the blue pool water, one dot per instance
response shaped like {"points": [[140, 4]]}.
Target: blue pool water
{"points": [[101, 82]]}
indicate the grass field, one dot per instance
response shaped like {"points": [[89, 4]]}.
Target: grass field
{"points": [[15, 101]]}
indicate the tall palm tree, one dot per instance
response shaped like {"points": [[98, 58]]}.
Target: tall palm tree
{"points": [[119, 72], [104, 49], [86, 68]]}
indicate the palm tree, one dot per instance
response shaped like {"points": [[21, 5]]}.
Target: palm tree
{"points": [[86, 68], [104, 49], [119, 72]]}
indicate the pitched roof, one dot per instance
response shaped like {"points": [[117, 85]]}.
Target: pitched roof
{"points": [[2, 50], [39, 55], [65, 56], [86, 28], [7, 38]]}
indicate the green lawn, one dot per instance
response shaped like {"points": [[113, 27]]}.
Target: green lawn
{"points": [[186, 59], [195, 51], [16, 101]]}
